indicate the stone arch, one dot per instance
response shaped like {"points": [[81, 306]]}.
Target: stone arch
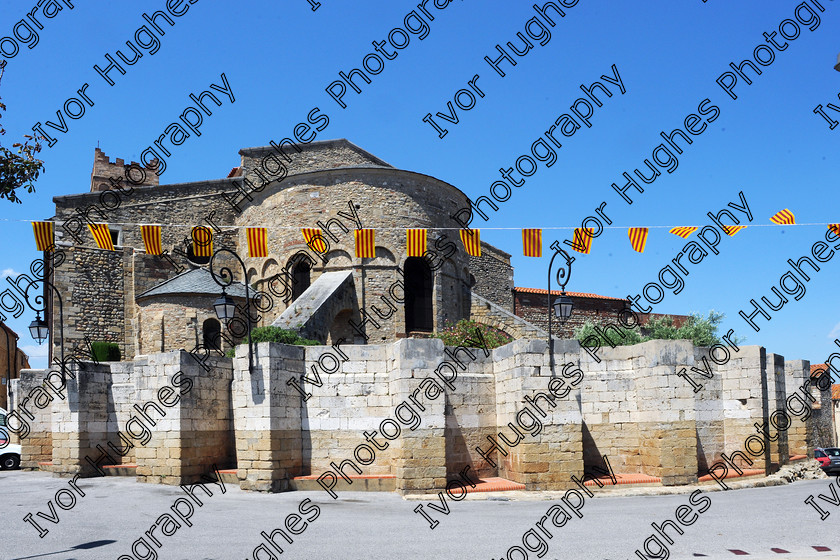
{"points": [[270, 268], [511, 330], [339, 258], [384, 257], [340, 327], [419, 300]]}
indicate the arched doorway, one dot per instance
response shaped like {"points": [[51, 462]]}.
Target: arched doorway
{"points": [[300, 278], [211, 331], [418, 296]]}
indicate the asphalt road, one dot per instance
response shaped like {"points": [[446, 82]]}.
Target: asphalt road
{"points": [[115, 512]]}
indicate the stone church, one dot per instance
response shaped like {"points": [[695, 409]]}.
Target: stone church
{"points": [[148, 303], [301, 417]]}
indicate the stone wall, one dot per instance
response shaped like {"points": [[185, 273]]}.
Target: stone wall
{"points": [[531, 305], [38, 445], [493, 276], [628, 403]]}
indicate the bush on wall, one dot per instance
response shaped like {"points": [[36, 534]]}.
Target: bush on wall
{"points": [[102, 351], [275, 334], [464, 330]]}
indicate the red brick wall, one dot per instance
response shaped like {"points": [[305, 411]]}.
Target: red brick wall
{"points": [[532, 308]]}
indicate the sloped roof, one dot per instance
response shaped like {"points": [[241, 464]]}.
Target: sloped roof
{"points": [[198, 281], [815, 367], [571, 294], [835, 392]]}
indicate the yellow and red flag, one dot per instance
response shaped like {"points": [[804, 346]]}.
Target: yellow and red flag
{"points": [[257, 241], [415, 242], [732, 230], [102, 236], [365, 247], [151, 239], [835, 228], [472, 242], [683, 231], [532, 242], [582, 241], [783, 218], [638, 238], [44, 235], [314, 239], [202, 237]]}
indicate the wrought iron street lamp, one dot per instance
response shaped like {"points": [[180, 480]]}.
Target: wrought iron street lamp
{"points": [[39, 329], [563, 305], [225, 306]]}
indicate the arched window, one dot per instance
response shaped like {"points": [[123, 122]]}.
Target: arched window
{"points": [[195, 259], [211, 330], [300, 278], [418, 295]]}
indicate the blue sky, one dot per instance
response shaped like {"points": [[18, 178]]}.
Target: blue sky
{"points": [[280, 57]]}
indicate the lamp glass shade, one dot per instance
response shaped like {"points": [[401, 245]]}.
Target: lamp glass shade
{"points": [[39, 330], [225, 308], [563, 308]]}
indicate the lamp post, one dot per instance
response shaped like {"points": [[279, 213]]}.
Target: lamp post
{"points": [[38, 328], [224, 306], [563, 305]]}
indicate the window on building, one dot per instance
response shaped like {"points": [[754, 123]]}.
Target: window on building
{"points": [[116, 237], [300, 279], [418, 295], [212, 334], [193, 258]]}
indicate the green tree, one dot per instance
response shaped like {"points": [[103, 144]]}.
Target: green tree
{"points": [[19, 168], [701, 331]]}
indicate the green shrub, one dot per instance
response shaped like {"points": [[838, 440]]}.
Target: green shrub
{"points": [[464, 330], [105, 351], [275, 334], [701, 331]]}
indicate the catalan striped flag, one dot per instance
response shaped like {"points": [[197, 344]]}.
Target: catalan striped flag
{"points": [[532, 242], [582, 241], [102, 236], [732, 230], [416, 242], [151, 239], [257, 242], [835, 228], [638, 238], [202, 237], [783, 218], [365, 247], [472, 241], [683, 231], [314, 239], [44, 235]]}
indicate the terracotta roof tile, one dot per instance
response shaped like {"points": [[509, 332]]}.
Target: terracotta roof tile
{"points": [[572, 294], [835, 392], [815, 367]]}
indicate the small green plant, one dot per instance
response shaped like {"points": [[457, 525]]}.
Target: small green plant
{"points": [[275, 334], [701, 331], [464, 330], [105, 351]]}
